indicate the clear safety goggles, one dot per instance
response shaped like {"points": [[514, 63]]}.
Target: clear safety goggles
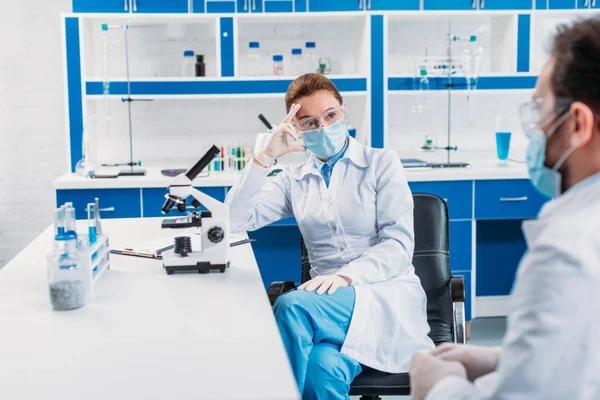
{"points": [[327, 118], [539, 113]]}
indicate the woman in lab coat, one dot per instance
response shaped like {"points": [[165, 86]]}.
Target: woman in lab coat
{"points": [[364, 304]]}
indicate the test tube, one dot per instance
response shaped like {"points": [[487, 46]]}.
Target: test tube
{"points": [[70, 220], [232, 159], [59, 222], [243, 158], [91, 223], [97, 216], [239, 156], [222, 158]]}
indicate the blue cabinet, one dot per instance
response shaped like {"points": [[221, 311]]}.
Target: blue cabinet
{"points": [[114, 203], [336, 5], [101, 6], [458, 196], [588, 4], [460, 246], [505, 4], [153, 199], [284, 5], [450, 4], [383, 5], [500, 247], [159, 6], [507, 199], [555, 4], [220, 6], [478, 4], [249, 6]]}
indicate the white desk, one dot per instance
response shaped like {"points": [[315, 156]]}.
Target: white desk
{"points": [[145, 335]]}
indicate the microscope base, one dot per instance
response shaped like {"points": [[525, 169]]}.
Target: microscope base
{"points": [[202, 267]]}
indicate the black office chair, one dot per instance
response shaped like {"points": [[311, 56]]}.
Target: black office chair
{"points": [[445, 294]]}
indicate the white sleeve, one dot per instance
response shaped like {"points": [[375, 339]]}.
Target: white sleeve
{"points": [[545, 348], [392, 255], [255, 201], [454, 388], [542, 354]]}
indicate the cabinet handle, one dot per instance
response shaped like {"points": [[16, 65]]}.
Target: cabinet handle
{"points": [[107, 209], [474, 4], [586, 3], [368, 4], [253, 5], [593, 3], [126, 5], [482, 4], [360, 6], [524, 198], [245, 5], [134, 5]]}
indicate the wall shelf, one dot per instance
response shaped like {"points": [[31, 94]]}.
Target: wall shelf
{"points": [[210, 86], [407, 83]]}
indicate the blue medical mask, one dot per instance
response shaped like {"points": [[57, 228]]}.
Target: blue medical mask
{"points": [[327, 141], [546, 180]]}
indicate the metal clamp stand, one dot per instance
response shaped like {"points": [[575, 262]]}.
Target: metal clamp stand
{"points": [[449, 147], [131, 169]]}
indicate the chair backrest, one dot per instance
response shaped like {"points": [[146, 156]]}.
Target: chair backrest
{"points": [[431, 260]]}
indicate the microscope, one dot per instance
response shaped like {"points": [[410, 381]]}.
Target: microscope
{"points": [[213, 224]]}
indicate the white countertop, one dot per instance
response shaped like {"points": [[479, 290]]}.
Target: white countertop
{"points": [[484, 166], [145, 335]]}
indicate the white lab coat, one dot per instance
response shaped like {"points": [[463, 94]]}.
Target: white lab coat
{"points": [[552, 347], [360, 227]]}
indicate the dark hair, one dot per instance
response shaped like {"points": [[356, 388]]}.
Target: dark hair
{"points": [[576, 57], [307, 85]]}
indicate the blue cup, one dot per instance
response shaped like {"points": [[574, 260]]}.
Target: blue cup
{"points": [[503, 145]]}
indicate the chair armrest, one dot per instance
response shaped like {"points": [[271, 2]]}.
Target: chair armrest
{"points": [[276, 289], [457, 287]]}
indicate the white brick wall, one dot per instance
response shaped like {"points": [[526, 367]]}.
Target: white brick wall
{"points": [[32, 119]]}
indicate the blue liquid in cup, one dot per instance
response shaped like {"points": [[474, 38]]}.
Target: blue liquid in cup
{"points": [[502, 145]]}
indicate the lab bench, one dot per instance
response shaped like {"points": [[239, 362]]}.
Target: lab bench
{"points": [[486, 205]]}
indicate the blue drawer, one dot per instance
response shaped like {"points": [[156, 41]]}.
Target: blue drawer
{"points": [[458, 196], [460, 246], [507, 199], [122, 203], [154, 198]]}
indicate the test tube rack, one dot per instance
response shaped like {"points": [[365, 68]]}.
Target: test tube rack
{"points": [[96, 259]]}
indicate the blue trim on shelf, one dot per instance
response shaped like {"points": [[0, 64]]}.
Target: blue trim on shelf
{"points": [[485, 83], [207, 87], [523, 42], [75, 102], [377, 81], [227, 56]]}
